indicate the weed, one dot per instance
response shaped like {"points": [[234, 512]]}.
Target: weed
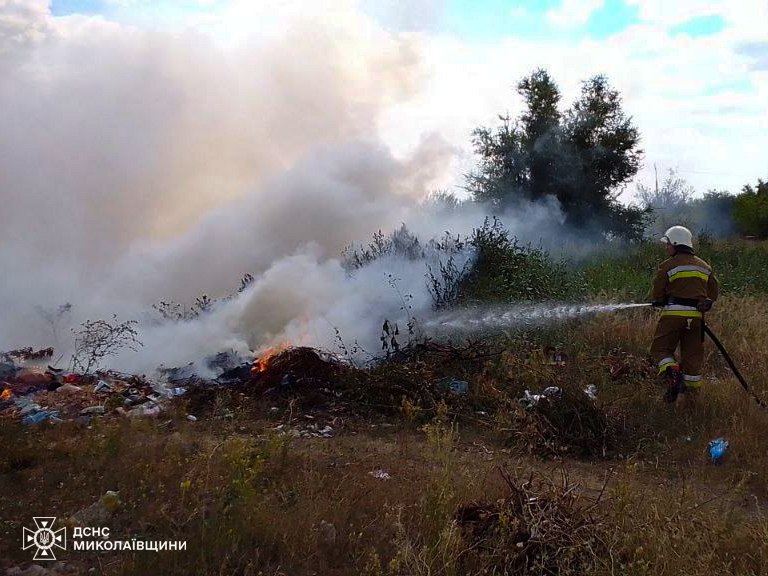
{"points": [[98, 339]]}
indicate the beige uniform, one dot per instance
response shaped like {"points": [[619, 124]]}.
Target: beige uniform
{"points": [[687, 277]]}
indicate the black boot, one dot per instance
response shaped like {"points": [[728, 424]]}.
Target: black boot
{"points": [[675, 384]]}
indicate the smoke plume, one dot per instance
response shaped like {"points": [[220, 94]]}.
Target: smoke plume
{"points": [[142, 164]]}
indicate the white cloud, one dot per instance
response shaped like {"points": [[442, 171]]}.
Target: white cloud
{"points": [[676, 88], [670, 13], [573, 13], [22, 22]]}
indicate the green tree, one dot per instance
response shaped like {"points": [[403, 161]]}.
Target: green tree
{"points": [[583, 157], [750, 210]]}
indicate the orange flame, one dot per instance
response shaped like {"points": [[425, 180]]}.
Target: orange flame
{"points": [[6, 394], [263, 361]]}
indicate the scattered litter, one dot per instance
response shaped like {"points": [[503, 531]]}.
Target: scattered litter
{"points": [[287, 430], [552, 392], [40, 416], [717, 448], [453, 385], [380, 474], [530, 400], [92, 411], [191, 418], [315, 431], [591, 391], [68, 388], [30, 408], [99, 512], [144, 410], [309, 431], [274, 409], [103, 386]]}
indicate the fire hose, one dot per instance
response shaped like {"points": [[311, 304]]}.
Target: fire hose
{"points": [[732, 366]]}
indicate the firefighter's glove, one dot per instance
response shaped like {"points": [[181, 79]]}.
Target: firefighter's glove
{"points": [[704, 305]]}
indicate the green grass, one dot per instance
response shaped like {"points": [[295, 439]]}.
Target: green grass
{"points": [[741, 268]]}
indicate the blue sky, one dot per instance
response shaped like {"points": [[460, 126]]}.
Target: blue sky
{"points": [[692, 72], [700, 26], [471, 20], [160, 11], [493, 19]]}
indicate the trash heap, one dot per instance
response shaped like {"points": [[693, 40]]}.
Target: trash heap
{"points": [[36, 394], [415, 380]]}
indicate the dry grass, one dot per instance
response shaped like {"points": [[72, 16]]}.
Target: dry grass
{"points": [[250, 501]]}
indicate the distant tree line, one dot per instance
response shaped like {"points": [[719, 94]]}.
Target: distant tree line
{"points": [[584, 157], [717, 213], [750, 210]]}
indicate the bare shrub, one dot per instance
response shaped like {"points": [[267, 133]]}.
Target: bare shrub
{"points": [[98, 339]]}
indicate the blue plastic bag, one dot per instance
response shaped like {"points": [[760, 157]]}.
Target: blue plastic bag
{"points": [[453, 385], [717, 449], [40, 416]]}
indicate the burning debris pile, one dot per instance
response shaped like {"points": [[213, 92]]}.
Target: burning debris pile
{"points": [[540, 527], [295, 368], [475, 380]]}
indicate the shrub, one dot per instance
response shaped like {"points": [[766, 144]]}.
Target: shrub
{"points": [[506, 271], [750, 210], [98, 339]]}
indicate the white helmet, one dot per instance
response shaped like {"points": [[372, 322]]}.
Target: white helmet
{"points": [[678, 236]]}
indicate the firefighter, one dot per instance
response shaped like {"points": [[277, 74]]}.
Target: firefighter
{"points": [[685, 287]]}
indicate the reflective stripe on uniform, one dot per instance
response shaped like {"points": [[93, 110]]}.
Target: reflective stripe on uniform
{"points": [[692, 381], [690, 274], [682, 313], [681, 310], [666, 363], [688, 271]]}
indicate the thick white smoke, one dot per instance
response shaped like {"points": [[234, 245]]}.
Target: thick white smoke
{"points": [[141, 164]]}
